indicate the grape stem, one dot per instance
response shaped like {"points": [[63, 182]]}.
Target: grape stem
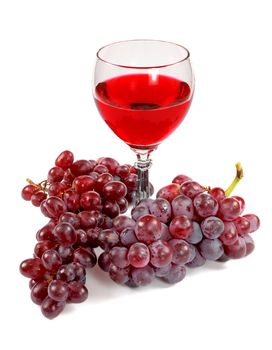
{"points": [[41, 186], [239, 175]]}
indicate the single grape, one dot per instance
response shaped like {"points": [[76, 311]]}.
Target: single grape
{"points": [[211, 249], [65, 234], [114, 190], [229, 235], [205, 205], [131, 182], [229, 209], [91, 200], [37, 198], [119, 256], [72, 200], [123, 205], [46, 233], [191, 189], [87, 220], [102, 180], [148, 229], [32, 268], [122, 222], [110, 163], [161, 253], [65, 160], [81, 167], [237, 250], [39, 292], [242, 225], [196, 236], [107, 239], [104, 261], [138, 255], [86, 257], [181, 227], [143, 276], [119, 275], [51, 308], [180, 179], [241, 201], [182, 205], [161, 208], [53, 207], [123, 171], [28, 191], [58, 290], [51, 260], [176, 274], [249, 244], [83, 183], [139, 211], [182, 251], [169, 192], [127, 237], [197, 261], [254, 222], [111, 209], [77, 292], [55, 174], [217, 193], [212, 227]]}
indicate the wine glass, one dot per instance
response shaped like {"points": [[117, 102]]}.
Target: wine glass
{"points": [[143, 90]]}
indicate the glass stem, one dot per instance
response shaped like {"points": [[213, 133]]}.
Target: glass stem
{"points": [[142, 165]]}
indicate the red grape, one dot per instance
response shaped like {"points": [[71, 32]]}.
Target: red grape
{"points": [[77, 292], [161, 253], [51, 308], [65, 160], [181, 227], [39, 292], [58, 290], [148, 229], [138, 255]]}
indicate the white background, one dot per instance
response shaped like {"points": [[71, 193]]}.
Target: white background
{"points": [[47, 53]]}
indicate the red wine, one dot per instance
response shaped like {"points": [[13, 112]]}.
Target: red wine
{"points": [[143, 109]]}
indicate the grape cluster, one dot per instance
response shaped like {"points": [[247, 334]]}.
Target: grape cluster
{"points": [[184, 226], [85, 200], [81, 198]]}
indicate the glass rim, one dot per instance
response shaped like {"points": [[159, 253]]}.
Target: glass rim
{"points": [[98, 54]]}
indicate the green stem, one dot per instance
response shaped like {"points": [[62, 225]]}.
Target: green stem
{"points": [[238, 177]]}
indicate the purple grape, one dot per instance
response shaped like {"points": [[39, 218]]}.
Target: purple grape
{"points": [[211, 249], [183, 205], [212, 227]]}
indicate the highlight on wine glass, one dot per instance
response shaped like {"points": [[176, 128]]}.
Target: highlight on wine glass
{"points": [[143, 90]]}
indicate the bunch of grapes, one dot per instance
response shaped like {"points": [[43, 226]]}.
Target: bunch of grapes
{"points": [[184, 226], [80, 198]]}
